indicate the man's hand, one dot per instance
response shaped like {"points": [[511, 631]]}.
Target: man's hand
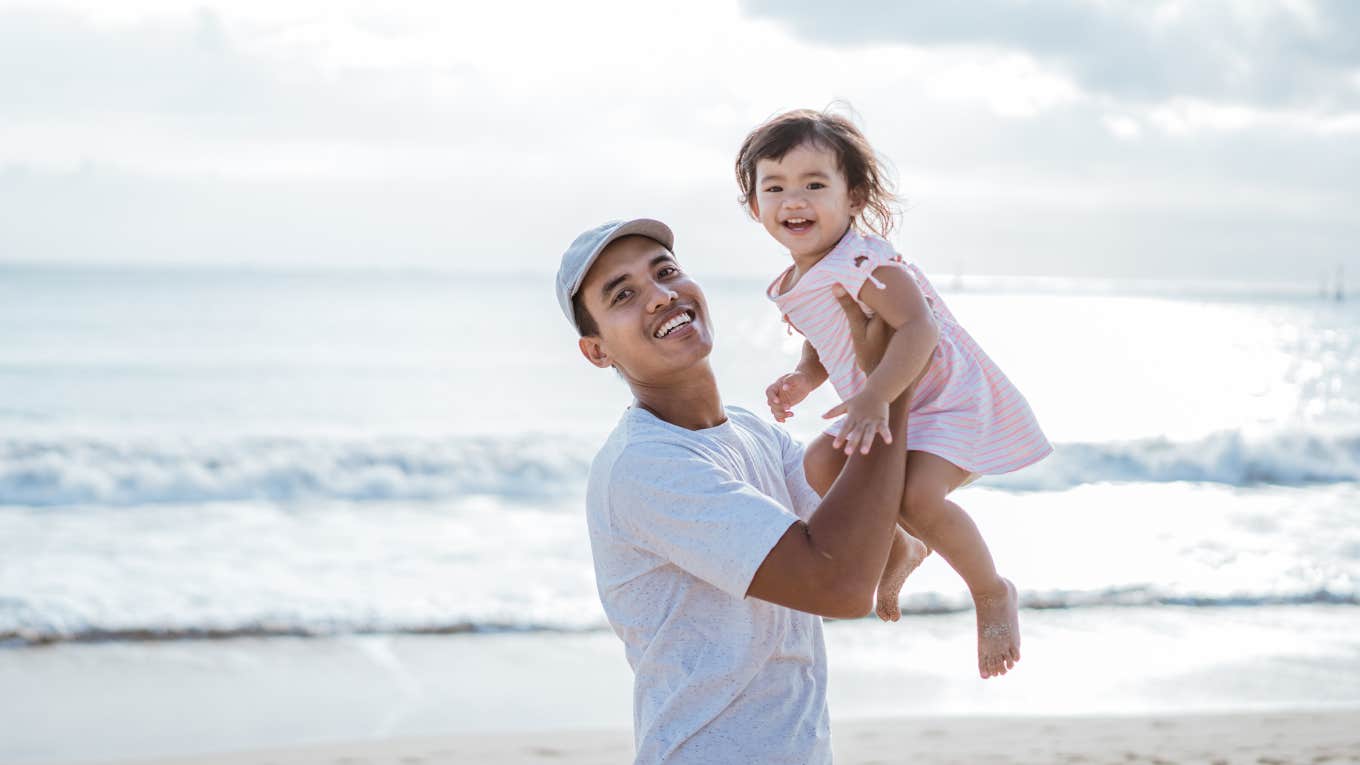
{"points": [[786, 392]]}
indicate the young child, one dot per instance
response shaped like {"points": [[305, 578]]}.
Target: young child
{"points": [[814, 183]]}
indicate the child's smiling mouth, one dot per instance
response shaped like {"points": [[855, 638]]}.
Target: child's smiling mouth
{"points": [[798, 225]]}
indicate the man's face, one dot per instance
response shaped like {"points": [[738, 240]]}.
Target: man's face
{"points": [[652, 318]]}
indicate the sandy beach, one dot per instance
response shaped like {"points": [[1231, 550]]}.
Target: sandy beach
{"points": [[1260, 739], [897, 695]]}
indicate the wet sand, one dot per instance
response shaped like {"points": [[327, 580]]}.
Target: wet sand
{"points": [[1257, 738], [1288, 690]]}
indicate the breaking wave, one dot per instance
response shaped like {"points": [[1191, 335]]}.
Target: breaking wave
{"points": [[38, 473], [35, 630]]}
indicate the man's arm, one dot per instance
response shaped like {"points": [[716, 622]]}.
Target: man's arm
{"points": [[831, 564]]}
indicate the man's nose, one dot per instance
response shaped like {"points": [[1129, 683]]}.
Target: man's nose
{"points": [[661, 297]]}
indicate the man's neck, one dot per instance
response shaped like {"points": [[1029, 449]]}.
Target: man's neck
{"points": [[691, 402]]}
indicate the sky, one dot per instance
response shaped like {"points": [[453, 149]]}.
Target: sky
{"points": [[1204, 140]]}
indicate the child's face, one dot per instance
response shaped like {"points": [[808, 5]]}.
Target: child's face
{"points": [[803, 200]]}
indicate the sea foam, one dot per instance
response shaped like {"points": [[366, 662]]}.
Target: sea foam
{"points": [[36, 473]]}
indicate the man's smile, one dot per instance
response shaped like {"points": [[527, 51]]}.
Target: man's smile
{"points": [[674, 321]]}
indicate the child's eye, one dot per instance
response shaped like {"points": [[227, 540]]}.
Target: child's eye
{"points": [[815, 185], [774, 190]]}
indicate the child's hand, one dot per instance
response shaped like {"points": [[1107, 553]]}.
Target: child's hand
{"points": [[865, 418], [787, 391]]}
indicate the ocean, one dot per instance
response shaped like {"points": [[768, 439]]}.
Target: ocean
{"points": [[198, 455]]}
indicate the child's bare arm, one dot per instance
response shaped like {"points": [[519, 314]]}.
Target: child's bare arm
{"points": [[810, 364], [903, 307], [792, 388]]}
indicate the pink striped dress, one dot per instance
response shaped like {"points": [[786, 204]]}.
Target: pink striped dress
{"points": [[964, 409]]}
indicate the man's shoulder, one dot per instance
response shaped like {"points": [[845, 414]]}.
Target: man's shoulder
{"points": [[631, 452], [636, 436], [638, 442], [749, 420], [763, 431]]}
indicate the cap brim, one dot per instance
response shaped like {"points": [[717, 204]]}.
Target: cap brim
{"points": [[648, 227]]}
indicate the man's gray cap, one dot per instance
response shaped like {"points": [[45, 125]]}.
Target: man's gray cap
{"points": [[581, 255]]}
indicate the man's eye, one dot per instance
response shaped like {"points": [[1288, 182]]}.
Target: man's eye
{"points": [[667, 271], [620, 295]]}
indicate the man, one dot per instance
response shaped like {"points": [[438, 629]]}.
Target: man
{"points": [[714, 559]]}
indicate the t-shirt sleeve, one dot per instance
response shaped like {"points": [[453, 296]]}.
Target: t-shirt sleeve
{"points": [[805, 498], [855, 265], [674, 503]]}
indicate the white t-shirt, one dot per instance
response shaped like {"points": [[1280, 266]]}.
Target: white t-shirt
{"points": [[679, 522]]}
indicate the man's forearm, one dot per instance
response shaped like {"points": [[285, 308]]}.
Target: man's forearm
{"points": [[853, 527]]}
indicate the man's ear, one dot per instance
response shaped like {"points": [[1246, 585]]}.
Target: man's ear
{"points": [[593, 349]]}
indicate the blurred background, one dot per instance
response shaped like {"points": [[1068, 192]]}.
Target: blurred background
{"points": [[293, 435]]}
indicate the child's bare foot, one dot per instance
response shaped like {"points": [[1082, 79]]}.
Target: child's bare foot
{"points": [[894, 575], [998, 623]]}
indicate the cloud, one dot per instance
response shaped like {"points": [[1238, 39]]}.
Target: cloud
{"points": [[336, 94], [1298, 55], [1122, 126], [321, 131], [56, 64]]}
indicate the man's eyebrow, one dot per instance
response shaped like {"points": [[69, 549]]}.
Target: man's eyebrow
{"points": [[609, 286]]}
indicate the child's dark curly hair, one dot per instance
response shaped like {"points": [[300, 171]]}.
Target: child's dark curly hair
{"points": [[864, 175]]}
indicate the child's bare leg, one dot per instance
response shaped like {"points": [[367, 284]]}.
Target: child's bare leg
{"points": [[906, 554], [902, 524], [822, 463], [948, 530]]}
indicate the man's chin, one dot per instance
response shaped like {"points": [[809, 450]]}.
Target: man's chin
{"points": [[691, 349], [675, 360]]}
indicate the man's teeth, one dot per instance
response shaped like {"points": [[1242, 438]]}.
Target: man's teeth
{"points": [[675, 323]]}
